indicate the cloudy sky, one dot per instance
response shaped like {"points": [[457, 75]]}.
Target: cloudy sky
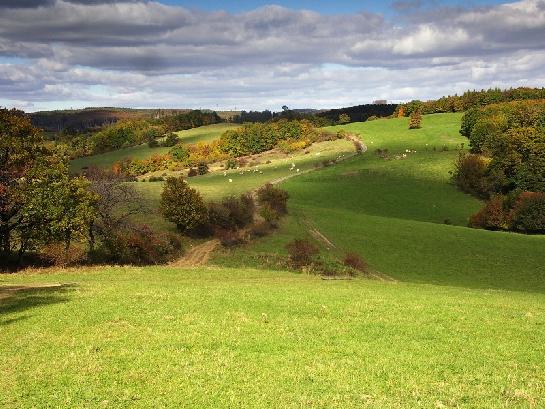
{"points": [[254, 54]]}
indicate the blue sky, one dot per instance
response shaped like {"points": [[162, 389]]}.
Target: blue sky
{"points": [[137, 53]]}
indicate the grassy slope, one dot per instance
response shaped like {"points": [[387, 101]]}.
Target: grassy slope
{"points": [[393, 213], [191, 136], [160, 337], [215, 185], [220, 337]]}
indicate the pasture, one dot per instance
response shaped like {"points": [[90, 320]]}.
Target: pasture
{"points": [[457, 320], [219, 337]]}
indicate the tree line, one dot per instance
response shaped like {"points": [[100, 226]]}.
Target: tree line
{"points": [[506, 164]]}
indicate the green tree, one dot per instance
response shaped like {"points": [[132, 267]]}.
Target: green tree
{"points": [[39, 201], [20, 145], [183, 205], [344, 118]]}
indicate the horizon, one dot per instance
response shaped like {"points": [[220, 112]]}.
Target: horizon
{"points": [[257, 55]]}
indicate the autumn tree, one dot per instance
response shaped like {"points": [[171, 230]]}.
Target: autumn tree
{"points": [[415, 120]]}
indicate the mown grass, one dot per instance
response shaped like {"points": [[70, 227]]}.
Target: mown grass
{"points": [[163, 337], [393, 213], [191, 136]]}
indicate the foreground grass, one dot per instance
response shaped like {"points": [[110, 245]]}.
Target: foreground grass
{"points": [[160, 337]]}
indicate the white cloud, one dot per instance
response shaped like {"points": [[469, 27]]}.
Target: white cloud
{"points": [[151, 54]]}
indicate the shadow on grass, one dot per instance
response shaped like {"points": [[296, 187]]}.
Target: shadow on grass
{"points": [[18, 298]]}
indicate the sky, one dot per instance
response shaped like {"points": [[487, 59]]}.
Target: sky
{"points": [[249, 54]]}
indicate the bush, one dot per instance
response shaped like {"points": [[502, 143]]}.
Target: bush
{"points": [[270, 215], [231, 163], [231, 213], [138, 245], [275, 198], [183, 205], [202, 168], [415, 120], [356, 262], [528, 214], [170, 140], [58, 255], [470, 174], [230, 238], [493, 216], [192, 172], [301, 252], [179, 153]]}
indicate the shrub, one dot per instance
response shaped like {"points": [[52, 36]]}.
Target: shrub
{"points": [[270, 215], [170, 140], [230, 238], [192, 172], [179, 153], [528, 214], [138, 245], [275, 198], [202, 168], [301, 252], [58, 255], [231, 213], [470, 174], [356, 262], [231, 163], [344, 118], [358, 146], [152, 143], [415, 119], [493, 216], [183, 205], [372, 118]]}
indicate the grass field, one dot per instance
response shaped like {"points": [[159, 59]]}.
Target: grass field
{"points": [[462, 325], [160, 337], [393, 212], [191, 136]]}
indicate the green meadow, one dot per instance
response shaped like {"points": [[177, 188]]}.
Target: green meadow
{"points": [[459, 321], [190, 136]]}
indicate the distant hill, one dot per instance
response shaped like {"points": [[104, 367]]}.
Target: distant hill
{"points": [[89, 118]]}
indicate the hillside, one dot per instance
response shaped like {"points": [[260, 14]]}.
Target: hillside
{"points": [[393, 212], [106, 160], [453, 317]]}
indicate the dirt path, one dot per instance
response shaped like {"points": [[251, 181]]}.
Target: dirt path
{"points": [[197, 255]]}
